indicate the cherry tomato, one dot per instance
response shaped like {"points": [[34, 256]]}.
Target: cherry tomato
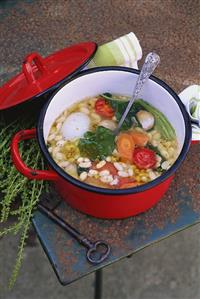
{"points": [[144, 158], [102, 108]]}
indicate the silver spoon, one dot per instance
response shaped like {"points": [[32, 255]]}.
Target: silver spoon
{"points": [[150, 63]]}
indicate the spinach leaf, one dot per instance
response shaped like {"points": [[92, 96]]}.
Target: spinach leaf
{"points": [[82, 169], [119, 107], [98, 144]]}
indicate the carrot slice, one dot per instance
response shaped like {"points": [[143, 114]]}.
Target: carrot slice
{"points": [[125, 146], [139, 138], [108, 166], [127, 183]]}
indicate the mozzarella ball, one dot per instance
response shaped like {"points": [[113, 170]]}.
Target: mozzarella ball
{"points": [[75, 126]]}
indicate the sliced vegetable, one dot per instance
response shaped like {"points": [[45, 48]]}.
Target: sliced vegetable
{"points": [[144, 158], [108, 123], [125, 146], [103, 108], [139, 138], [146, 119], [126, 183], [108, 166], [161, 122], [98, 144]]}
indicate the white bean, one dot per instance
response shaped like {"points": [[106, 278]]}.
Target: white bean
{"points": [[92, 172], [114, 182], [130, 172], [144, 179], [80, 159], [165, 153], [107, 179], [104, 173], [85, 164], [165, 165], [50, 149], [123, 174], [115, 152], [86, 160], [152, 175], [100, 164], [83, 176], [108, 159], [118, 166]]}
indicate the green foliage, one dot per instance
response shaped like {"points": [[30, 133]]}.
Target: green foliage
{"points": [[119, 107], [161, 122], [98, 144], [18, 195]]}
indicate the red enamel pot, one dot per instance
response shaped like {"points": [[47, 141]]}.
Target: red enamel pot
{"points": [[95, 201]]}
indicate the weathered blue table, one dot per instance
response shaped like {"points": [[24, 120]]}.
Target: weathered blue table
{"points": [[178, 209]]}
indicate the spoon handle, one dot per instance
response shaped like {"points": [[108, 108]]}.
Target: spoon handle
{"points": [[151, 62]]}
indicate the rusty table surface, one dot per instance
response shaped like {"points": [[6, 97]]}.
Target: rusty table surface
{"points": [[167, 26], [177, 210]]}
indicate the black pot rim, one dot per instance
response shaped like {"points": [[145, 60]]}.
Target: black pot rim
{"points": [[106, 191]]}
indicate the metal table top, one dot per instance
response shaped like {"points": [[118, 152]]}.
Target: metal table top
{"points": [[177, 210]]}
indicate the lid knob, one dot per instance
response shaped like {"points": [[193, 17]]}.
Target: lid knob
{"points": [[29, 68]]}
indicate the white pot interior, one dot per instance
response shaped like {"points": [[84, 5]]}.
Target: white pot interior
{"points": [[118, 82]]}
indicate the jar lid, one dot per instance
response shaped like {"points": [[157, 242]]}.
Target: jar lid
{"points": [[39, 74]]}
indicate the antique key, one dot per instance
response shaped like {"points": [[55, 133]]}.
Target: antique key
{"points": [[94, 253]]}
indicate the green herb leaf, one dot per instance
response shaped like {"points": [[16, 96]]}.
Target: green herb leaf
{"points": [[82, 169], [98, 144]]}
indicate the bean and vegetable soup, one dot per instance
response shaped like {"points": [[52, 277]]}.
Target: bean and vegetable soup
{"points": [[82, 143]]}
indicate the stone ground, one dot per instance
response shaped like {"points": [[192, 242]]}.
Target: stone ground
{"points": [[166, 270]]}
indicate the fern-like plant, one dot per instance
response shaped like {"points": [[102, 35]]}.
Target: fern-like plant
{"points": [[18, 195]]}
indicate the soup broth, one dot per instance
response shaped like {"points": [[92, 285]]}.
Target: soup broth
{"points": [[82, 143]]}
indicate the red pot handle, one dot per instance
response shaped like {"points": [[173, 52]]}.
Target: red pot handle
{"points": [[21, 166], [28, 67]]}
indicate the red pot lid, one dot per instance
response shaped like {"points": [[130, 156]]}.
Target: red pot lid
{"points": [[40, 74]]}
